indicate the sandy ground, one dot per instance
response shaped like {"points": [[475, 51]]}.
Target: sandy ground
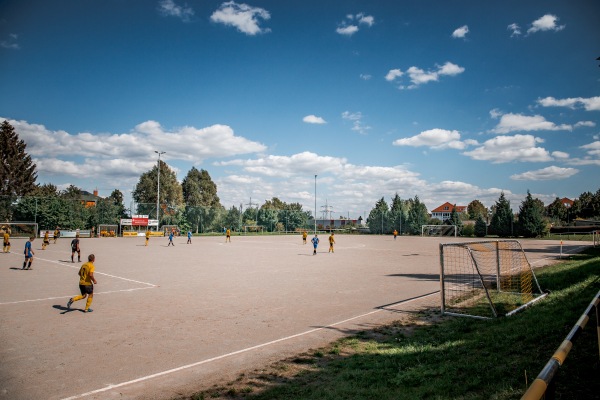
{"points": [[170, 321]]}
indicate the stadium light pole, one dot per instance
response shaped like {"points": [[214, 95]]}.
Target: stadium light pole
{"points": [[158, 188], [315, 204]]}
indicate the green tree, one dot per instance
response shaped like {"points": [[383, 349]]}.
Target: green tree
{"points": [[502, 220], [17, 170], [397, 213], [171, 194], [480, 229], [378, 218], [476, 208], [199, 194], [268, 217], [557, 211], [531, 217], [417, 216], [233, 219], [455, 220]]}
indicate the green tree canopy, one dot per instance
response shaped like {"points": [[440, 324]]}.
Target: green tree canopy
{"points": [[557, 211], [145, 192], [476, 208], [502, 220], [417, 216], [378, 218], [199, 190], [480, 228], [531, 217]]}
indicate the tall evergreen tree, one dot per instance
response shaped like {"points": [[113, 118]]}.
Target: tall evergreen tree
{"points": [[397, 214], [417, 216], [480, 229], [455, 220], [502, 220], [17, 170], [378, 218], [531, 217]]}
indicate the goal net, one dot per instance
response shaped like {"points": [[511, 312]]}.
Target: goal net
{"points": [[439, 230], [19, 229], [486, 279], [167, 229], [108, 230]]}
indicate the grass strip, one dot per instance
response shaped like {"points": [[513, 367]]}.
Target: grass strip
{"points": [[434, 357]]}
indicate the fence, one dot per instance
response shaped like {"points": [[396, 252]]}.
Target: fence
{"points": [[543, 386]]}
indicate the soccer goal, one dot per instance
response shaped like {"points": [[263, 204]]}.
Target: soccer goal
{"points": [[108, 230], [19, 229], [439, 230], [486, 279], [167, 229]]}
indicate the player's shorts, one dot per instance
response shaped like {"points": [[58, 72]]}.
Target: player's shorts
{"points": [[75, 250], [28, 255], [7, 243], [46, 241], [86, 289]]}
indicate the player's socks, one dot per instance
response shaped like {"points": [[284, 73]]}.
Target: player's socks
{"points": [[25, 263], [77, 298], [88, 303], [29, 265]]}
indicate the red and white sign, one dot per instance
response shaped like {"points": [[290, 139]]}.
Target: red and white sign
{"points": [[139, 220]]}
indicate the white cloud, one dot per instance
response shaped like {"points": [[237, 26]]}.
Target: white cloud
{"points": [[313, 119], [460, 32], [589, 124], [545, 174], [518, 122], [365, 77], [11, 42], [419, 76], [545, 23], [170, 9], [515, 29], [589, 104], [560, 154], [185, 143], [243, 17], [357, 124], [348, 29], [393, 74], [593, 149], [503, 149], [495, 113], [434, 139]]}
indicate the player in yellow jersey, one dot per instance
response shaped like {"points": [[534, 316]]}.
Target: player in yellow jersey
{"points": [[56, 234], [6, 243], [86, 284], [304, 236], [331, 243], [228, 235], [46, 241], [147, 237], [395, 234]]}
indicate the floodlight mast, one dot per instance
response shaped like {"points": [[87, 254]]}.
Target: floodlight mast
{"points": [[158, 188], [315, 205]]}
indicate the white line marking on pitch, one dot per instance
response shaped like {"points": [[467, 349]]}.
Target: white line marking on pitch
{"points": [[258, 346], [63, 297], [64, 264]]}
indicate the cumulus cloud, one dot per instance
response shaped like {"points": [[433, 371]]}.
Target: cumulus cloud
{"points": [[503, 149], [519, 122], [589, 104], [169, 8], [434, 139], [357, 124], [560, 154], [313, 119], [352, 23], [460, 32], [593, 149], [546, 23], [545, 174], [419, 76], [515, 30], [243, 17]]}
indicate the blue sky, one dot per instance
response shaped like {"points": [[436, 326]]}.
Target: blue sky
{"points": [[448, 100]]}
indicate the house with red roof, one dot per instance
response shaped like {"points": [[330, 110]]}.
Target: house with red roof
{"points": [[567, 202], [444, 211]]}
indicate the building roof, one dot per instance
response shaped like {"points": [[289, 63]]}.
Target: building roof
{"points": [[566, 201], [447, 207]]}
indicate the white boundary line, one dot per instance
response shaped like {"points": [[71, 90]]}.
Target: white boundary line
{"points": [[258, 346], [65, 296]]}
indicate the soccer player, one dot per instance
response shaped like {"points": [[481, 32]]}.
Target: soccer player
{"points": [[56, 234], [6, 246], [395, 234], [147, 237], [46, 241], [28, 253], [86, 284], [189, 237], [171, 239], [75, 248], [315, 242], [228, 235], [304, 236], [331, 243]]}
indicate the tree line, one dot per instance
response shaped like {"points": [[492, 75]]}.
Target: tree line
{"points": [[194, 205]]}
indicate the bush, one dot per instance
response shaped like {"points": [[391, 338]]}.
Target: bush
{"points": [[468, 230]]}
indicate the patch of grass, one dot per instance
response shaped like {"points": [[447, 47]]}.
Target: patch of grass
{"points": [[454, 358]]}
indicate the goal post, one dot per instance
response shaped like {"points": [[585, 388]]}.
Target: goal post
{"points": [[108, 230], [439, 230], [486, 279], [19, 229]]}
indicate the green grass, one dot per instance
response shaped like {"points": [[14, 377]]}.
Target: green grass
{"points": [[452, 358]]}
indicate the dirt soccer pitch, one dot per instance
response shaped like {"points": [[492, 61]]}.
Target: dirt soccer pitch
{"points": [[169, 321]]}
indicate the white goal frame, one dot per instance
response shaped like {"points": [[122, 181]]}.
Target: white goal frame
{"points": [[21, 229], [441, 228]]}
